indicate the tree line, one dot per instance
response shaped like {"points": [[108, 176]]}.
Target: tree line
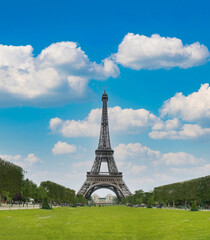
{"points": [[139, 197], [14, 187], [11, 178], [59, 194], [176, 194], [183, 193]]}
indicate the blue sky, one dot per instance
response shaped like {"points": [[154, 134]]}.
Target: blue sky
{"points": [[153, 59]]}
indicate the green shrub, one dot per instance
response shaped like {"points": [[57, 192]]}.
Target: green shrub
{"points": [[45, 204], [194, 207]]}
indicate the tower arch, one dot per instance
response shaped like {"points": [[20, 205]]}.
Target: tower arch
{"points": [[94, 187]]}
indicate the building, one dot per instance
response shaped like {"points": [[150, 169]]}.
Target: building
{"points": [[106, 200]]}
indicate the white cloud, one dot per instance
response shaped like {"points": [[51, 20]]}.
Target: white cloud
{"points": [[11, 158], [147, 183], [24, 162], [135, 150], [133, 121], [59, 73], [84, 165], [144, 154], [192, 172], [179, 158], [130, 120], [31, 159], [167, 125], [187, 131], [55, 123], [162, 177], [126, 120], [195, 106], [63, 148], [189, 112], [62, 71], [136, 169], [141, 52]]}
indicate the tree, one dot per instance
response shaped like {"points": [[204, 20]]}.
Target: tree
{"points": [[57, 193], [11, 178], [41, 193], [81, 199], [139, 197], [29, 189]]}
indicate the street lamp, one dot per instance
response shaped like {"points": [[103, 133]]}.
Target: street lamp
{"points": [[24, 172], [201, 189]]}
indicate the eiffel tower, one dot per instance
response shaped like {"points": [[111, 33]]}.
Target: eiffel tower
{"points": [[112, 179]]}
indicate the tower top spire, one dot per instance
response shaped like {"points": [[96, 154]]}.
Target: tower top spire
{"points": [[104, 96], [104, 139]]}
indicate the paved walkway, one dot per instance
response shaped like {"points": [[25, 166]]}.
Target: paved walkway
{"points": [[36, 206], [185, 209]]}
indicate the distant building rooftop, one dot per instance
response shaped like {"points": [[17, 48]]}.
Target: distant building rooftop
{"points": [[108, 199]]}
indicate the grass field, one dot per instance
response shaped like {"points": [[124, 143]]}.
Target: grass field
{"points": [[103, 223]]}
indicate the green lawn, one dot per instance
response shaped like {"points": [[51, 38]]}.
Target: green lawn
{"points": [[102, 223]]}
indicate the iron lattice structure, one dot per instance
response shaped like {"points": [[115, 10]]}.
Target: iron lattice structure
{"points": [[113, 179]]}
